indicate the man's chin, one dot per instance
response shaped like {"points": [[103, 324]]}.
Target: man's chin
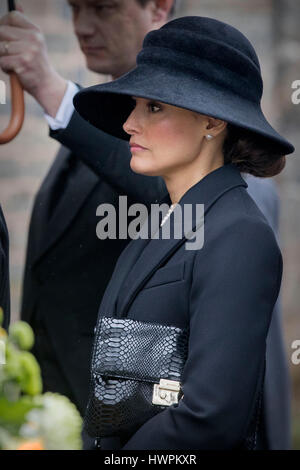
{"points": [[99, 66]]}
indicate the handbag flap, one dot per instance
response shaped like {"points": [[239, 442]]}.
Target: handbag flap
{"points": [[126, 348]]}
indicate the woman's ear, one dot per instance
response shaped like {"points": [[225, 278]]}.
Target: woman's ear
{"points": [[215, 126]]}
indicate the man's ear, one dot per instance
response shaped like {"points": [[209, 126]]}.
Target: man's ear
{"points": [[162, 10]]}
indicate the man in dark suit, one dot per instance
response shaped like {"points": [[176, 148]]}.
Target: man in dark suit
{"points": [[67, 267]]}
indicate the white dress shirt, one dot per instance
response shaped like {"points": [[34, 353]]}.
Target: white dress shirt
{"points": [[65, 110]]}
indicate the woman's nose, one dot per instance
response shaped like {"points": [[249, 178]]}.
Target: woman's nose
{"points": [[132, 125]]}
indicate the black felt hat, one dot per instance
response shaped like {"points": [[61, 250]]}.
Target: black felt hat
{"points": [[196, 63]]}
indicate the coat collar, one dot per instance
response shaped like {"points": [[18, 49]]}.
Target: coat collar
{"points": [[148, 255]]}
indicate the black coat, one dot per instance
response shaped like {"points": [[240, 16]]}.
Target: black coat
{"points": [[224, 293], [4, 271]]}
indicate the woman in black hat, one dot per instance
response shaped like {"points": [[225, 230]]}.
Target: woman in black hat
{"points": [[191, 111]]}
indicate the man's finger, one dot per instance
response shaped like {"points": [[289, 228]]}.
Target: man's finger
{"points": [[11, 48], [11, 64], [18, 20], [11, 33]]}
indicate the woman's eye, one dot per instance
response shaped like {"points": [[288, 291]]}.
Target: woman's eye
{"points": [[154, 108]]}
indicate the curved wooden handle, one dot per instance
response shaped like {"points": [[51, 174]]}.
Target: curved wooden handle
{"points": [[17, 111]]}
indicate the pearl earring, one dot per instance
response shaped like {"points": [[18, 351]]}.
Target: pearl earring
{"points": [[209, 137]]}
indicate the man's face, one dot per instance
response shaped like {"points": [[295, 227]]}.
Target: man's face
{"points": [[111, 32]]}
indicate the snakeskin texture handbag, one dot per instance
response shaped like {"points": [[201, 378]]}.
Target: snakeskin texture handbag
{"points": [[136, 370]]}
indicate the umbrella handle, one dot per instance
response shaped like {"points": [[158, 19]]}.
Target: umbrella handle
{"points": [[17, 111], [17, 103]]}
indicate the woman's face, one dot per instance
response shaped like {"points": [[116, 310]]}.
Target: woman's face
{"points": [[164, 138]]}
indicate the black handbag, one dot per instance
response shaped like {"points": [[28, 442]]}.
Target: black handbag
{"points": [[136, 371]]}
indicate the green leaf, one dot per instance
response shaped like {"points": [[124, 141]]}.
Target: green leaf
{"points": [[13, 413]]}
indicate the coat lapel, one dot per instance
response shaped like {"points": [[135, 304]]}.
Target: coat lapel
{"points": [[39, 218], [157, 252], [128, 258], [82, 181]]}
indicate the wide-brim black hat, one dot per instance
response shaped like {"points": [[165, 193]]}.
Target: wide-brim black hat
{"points": [[196, 63]]}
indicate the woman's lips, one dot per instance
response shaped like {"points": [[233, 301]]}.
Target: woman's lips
{"points": [[136, 148]]}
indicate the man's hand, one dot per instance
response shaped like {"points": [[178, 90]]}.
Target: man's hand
{"points": [[23, 51]]}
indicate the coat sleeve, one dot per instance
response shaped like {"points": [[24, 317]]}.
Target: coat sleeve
{"points": [[236, 279], [109, 158]]}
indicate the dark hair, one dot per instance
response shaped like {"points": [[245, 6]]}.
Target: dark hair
{"points": [[143, 3], [252, 153]]}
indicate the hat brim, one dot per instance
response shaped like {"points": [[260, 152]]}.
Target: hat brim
{"points": [[107, 106]]}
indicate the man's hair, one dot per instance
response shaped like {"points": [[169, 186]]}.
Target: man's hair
{"points": [[173, 10]]}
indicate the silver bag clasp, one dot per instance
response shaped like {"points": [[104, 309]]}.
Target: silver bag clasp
{"points": [[166, 392]]}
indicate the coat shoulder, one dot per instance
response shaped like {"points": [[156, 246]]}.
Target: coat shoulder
{"points": [[236, 217]]}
